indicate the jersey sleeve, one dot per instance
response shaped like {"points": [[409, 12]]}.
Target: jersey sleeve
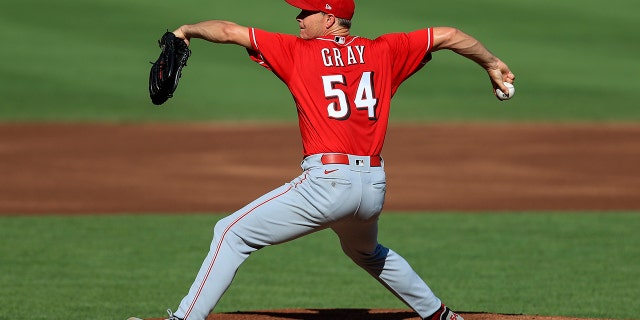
{"points": [[409, 52], [273, 51]]}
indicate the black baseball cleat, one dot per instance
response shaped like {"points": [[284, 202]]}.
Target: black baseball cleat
{"points": [[444, 313]]}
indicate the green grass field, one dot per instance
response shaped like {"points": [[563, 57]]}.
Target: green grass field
{"points": [[78, 60], [111, 267], [576, 61]]}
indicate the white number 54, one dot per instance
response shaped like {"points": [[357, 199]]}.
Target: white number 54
{"points": [[364, 96]]}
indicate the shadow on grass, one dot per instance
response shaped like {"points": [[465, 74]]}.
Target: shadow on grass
{"points": [[332, 314]]}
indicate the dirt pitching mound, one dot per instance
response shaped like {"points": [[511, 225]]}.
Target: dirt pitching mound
{"points": [[359, 314], [101, 168]]}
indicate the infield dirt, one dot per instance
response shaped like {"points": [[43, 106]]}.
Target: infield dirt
{"points": [[112, 168]]}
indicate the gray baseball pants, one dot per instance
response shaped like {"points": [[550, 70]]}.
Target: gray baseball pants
{"points": [[346, 198]]}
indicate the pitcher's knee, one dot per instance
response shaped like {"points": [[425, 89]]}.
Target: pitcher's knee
{"points": [[227, 234], [375, 257]]}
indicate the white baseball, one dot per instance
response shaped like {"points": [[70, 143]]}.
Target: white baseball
{"points": [[502, 96]]}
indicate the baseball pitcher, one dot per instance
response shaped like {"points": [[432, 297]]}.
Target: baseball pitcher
{"points": [[342, 87]]}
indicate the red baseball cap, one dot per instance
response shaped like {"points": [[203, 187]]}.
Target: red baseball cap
{"points": [[340, 8]]}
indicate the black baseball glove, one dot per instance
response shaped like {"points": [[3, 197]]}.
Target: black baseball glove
{"points": [[167, 70]]}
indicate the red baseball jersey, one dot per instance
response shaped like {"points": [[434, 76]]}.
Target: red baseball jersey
{"points": [[342, 86]]}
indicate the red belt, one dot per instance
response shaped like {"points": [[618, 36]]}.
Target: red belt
{"points": [[339, 158]]}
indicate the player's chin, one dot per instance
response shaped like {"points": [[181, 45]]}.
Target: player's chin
{"points": [[304, 35]]}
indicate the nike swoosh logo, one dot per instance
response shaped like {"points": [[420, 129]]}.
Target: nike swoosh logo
{"points": [[330, 171]]}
